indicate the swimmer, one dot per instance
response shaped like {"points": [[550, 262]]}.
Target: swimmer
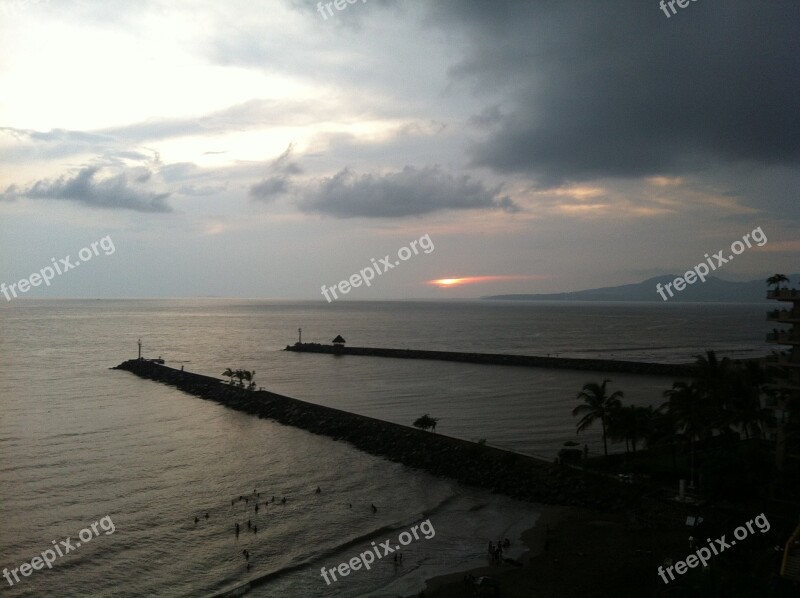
{"points": [[319, 490]]}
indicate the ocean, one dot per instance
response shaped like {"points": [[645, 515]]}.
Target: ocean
{"points": [[80, 442]]}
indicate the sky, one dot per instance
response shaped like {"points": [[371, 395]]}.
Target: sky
{"points": [[263, 149]]}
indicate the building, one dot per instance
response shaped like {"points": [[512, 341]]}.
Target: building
{"points": [[785, 366]]}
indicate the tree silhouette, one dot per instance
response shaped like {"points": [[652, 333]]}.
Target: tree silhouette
{"points": [[598, 406], [776, 280], [426, 422]]}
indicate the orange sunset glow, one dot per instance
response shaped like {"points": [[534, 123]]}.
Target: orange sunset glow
{"points": [[446, 283]]}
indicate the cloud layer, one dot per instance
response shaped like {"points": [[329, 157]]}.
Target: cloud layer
{"points": [[619, 90], [85, 187], [410, 192]]}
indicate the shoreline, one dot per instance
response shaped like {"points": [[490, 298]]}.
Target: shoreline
{"points": [[578, 552], [533, 540]]}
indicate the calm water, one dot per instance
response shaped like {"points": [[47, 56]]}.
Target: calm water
{"points": [[79, 441]]}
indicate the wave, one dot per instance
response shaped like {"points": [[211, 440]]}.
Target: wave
{"points": [[381, 532]]}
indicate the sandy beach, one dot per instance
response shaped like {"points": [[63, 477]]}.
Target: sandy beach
{"points": [[576, 552]]}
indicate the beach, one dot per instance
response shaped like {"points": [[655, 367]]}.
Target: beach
{"points": [[576, 552]]}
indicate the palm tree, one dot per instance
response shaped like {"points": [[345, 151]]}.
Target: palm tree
{"points": [[597, 405], [229, 373], [744, 410], [714, 380], [240, 375], [776, 280], [692, 413], [247, 376], [631, 424], [661, 430]]}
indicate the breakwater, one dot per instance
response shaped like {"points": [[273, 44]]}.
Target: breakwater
{"points": [[569, 363], [515, 475]]}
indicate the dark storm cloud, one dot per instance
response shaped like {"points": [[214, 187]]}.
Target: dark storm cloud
{"points": [[410, 192], [618, 89], [114, 192]]}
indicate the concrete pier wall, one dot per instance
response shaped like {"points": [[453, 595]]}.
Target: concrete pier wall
{"points": [[597, 365]]}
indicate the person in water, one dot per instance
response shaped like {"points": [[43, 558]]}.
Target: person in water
{"points": [[319, 490], [374, 508], [237, 528], [196, 520], [206, 515]]}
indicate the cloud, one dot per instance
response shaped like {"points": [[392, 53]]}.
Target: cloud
{"points": [[85, 187], [622, 91], [410, 192], [278, 183]]}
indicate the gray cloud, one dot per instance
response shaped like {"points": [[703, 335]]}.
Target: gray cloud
{"points": [[84, 187], [282, 169], [116, 141], [410, 192], [621, 90]]}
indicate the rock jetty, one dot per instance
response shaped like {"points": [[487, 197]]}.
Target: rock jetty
{"points": [[509, 473]]}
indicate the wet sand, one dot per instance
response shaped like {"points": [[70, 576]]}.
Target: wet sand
{"points": [[588, 553]]}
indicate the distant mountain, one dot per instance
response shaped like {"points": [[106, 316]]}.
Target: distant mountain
{"points": [[713, 290]]}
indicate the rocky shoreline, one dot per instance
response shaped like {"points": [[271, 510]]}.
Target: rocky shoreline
{"points": [[569, 363], [512, 474]]}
